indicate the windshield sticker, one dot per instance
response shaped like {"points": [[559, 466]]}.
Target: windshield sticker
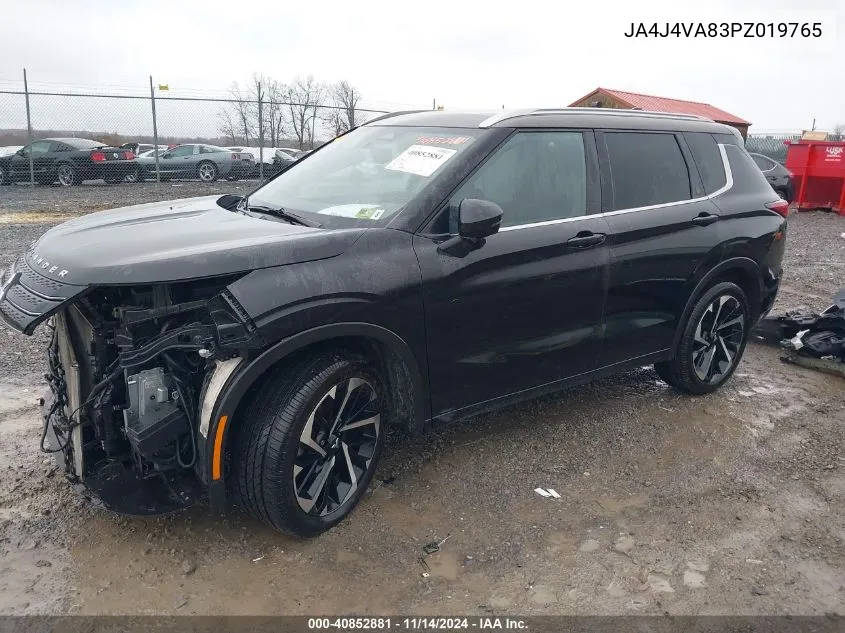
{"points": [[422, 160], [443, 140], [360, 211]]}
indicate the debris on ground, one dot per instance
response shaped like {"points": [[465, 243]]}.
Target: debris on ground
{"points": [[434, 546], [547, 492], [812, 340]]}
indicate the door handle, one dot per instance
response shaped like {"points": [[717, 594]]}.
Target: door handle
{"points": [[705, 219], [586, 239]]}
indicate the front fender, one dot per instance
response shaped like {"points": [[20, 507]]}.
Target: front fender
{"points": [[223, 413]]}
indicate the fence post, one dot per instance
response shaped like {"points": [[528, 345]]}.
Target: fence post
{"points": [[260, 133], [155, 128], [28, 130]]}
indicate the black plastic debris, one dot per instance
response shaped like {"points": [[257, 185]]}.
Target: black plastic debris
{"points": [[810, 335]]}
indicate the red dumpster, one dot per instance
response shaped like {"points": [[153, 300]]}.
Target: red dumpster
{"points": [[818, 171]]}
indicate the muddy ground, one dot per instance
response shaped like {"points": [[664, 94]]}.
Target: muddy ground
{"points": [[732, 503]]}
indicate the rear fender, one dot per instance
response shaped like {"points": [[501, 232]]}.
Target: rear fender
{"points": [[744, 264]]}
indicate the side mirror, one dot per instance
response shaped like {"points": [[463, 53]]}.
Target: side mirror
{"points": [[478, 219], [20, 152]]}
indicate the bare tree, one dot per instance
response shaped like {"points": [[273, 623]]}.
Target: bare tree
{"points": [[304, 97], [243, 113], [346, 98], [838, 131], [274, 111], [227, 126]]}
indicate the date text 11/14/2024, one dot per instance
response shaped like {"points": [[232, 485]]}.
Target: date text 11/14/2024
{"points": [[416, 624], [725, 29]]}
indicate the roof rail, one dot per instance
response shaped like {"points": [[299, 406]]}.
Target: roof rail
{"points": [[392, 114], [510, 114]]}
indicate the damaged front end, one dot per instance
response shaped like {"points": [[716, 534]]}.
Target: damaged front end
{"points": [[129, 368]]}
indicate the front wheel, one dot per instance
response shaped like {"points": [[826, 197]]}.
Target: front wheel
{"points": [[310, 443], [207, 171], [712, 342]]}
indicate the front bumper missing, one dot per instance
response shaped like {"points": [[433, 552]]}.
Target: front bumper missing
{"points": [[114, 484]]}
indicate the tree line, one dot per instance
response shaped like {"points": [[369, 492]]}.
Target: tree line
{"points": [[298, 111]]}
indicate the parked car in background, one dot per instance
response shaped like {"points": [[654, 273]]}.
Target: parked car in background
{"points": [[779, 177], [197, 160], [9, 149], [141, 148], [272, 166], [68, 160], [281, 161]]}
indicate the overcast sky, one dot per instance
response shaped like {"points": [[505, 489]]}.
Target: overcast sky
{"points": [[466, 54]]}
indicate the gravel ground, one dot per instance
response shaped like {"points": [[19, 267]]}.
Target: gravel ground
{"points": [[730, 503]]}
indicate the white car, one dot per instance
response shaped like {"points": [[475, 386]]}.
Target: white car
{"points": [[9, 150]]}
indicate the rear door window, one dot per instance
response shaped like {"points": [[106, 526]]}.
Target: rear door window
{"points": [[646, 169], [708, 158]]}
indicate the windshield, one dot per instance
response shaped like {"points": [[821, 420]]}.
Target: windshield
{"points": [[367, 175]]}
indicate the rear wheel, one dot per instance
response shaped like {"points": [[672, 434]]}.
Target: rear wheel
{"points": [[712, 342], [312, 438], [67, 175], [5, 178], [207, 171]]}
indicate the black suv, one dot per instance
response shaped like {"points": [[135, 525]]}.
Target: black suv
{"points": [[424, 267]]}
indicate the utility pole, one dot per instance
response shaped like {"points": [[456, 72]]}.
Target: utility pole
{"points": [[434, 104], [28, 130], [155, 127]]}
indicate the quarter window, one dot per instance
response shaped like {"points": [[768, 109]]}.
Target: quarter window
{"points": [[706, 154], [534, 177], [646, 169], [763, 163]]}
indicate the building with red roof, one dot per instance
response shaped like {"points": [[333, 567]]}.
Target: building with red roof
{"points": [[606, 98]]}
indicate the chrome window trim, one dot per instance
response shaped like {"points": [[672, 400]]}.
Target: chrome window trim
{"points": [[729, 183]]}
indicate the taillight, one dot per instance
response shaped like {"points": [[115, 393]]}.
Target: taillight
{"points": [[98, 157], [781, 207], [128, 155]]}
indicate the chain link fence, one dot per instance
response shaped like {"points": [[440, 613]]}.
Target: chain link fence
{"points": [[273, 132]]}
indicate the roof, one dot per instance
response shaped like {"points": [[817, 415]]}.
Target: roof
{"points": [[664, 104]]}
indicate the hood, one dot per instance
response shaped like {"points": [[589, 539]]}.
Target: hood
{"points": [[176, 241]]}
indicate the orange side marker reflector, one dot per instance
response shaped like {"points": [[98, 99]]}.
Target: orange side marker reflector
{"points": [[217, 457]]}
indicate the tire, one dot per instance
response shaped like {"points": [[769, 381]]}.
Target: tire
{"points": [[67, 175], [5, 179], [286, 446], [207, 171], [704, 360], [782, 194], [134, 176]]}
